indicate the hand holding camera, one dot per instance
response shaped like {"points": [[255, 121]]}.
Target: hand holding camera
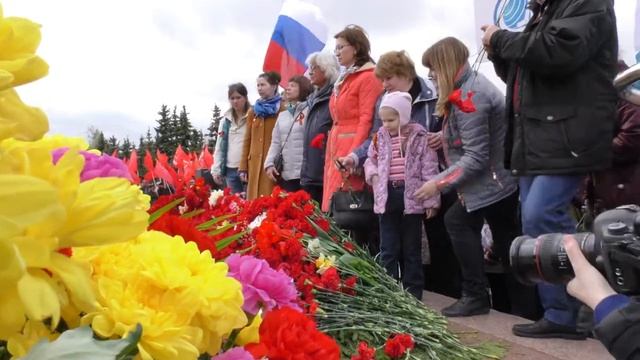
{"points": [[589, 286]]}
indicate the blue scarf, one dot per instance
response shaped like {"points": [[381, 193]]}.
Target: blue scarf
{"points": [[266, 108]]}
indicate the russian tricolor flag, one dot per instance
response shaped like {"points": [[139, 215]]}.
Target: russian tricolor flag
{"points": [[299, 32]]}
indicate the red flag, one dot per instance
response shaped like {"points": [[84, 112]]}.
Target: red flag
{"points": [[163, 160], [180, 157], [163, 173], [132, 165], [148, 164], [208, 158], [115, 153]]}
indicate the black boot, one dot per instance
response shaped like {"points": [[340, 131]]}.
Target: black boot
{"points": [[468, 306]]}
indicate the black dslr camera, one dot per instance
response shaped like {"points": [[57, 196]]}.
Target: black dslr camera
{"points": [[613, 248]]}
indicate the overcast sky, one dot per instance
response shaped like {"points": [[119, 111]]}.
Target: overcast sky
{"points": [[113, 63]]}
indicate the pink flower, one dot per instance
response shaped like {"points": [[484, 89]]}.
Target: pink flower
{"points": [[97, 165], [261, 284], [237, 353]]}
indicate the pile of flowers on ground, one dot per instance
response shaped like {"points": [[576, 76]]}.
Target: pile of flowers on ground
{"points": [[91, 269]]}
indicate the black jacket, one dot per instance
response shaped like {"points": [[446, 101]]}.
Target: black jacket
{"points": [[619, 332], [318, 122], [565, 64]]}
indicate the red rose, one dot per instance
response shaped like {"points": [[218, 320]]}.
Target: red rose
{"points": [[286, 334], [318, 141]]}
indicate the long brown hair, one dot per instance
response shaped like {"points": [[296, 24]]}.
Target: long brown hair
{"points": [[446, 57]]}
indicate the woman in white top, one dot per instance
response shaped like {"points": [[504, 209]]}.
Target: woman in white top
{"points": [[288, 136], [231, 139]]}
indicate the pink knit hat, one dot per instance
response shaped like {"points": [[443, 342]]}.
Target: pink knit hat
{"points": [[400, 102]]}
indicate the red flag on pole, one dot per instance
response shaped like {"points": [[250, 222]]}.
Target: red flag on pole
{"points": [[148, 164], [132, 165]]}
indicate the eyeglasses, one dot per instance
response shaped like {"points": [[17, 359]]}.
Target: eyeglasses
{"points": [[340, 47], [313, 69]]}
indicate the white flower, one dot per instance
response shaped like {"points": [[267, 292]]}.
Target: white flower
{"points": [[215, 196], [257, 221], [314, 245]]}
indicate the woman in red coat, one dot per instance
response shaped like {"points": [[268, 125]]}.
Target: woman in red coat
{"points": [[351, 105]]}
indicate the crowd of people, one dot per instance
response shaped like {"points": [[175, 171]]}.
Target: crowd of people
{"points": [[446, 155]]}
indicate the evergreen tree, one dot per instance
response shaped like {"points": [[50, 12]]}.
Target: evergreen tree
{"points": [[101, 143], [212, 130], [164, 130], [149, 143], [125, 148], [197, 140], [183, 130], [111, 146], [95, 138]]}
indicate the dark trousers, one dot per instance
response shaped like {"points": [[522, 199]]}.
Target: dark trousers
{"points": [[400, 243], [292, 185], [315, 191], [442, 274], [465, 228]]}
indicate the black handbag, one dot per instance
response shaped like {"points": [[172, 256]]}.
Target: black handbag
{"points": [[353, 210]]}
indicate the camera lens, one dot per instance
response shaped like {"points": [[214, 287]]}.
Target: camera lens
{"points": [[544, 259]]}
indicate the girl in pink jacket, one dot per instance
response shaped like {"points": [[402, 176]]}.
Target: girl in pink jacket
{"points": [[399, 162]]}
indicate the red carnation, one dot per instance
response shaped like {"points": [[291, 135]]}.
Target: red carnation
{"points": [[318, 141], [286, 334], [466, 105], [397, 345], [364, 352]]}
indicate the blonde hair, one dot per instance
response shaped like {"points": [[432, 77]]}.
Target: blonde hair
{"points": [[396, 63], [446, 57]]}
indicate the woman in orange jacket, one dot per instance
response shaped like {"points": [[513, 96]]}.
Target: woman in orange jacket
{"points": [[351, 105]]}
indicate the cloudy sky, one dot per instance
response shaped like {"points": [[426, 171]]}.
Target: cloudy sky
{"points": [[113, 63]]}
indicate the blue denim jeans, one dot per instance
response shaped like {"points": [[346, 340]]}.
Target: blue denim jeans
{"points": [[400, 243], [232, 180], [545, 201]]}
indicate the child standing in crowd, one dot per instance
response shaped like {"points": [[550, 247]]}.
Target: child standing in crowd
{"points": [[399, 160]]}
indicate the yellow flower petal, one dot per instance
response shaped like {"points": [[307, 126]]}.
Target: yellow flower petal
{"points": [[250, 334], [12, 266], [27, 200], [19, 40], [75, 276], [34, 331], [39, 297], [18, 120], [11, 312], [102, 205]]}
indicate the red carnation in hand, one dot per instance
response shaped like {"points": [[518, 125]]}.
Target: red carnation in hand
{"points": [[466, 105], [318, 141], [397, 345], [286, 334], [364, 352]]}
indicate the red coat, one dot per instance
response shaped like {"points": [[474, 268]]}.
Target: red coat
{"points": [[620, 185], [351, 105]]}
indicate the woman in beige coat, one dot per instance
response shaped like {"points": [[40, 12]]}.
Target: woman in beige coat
{"points": [[260, 121]]}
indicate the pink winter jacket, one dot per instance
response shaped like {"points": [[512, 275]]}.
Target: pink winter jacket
{"points": [[421, 164]]}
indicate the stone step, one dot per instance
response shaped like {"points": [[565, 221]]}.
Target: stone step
{"points": [[496, 327]]}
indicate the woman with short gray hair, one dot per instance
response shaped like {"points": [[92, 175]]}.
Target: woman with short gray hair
{"points": [[323, 72]]}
